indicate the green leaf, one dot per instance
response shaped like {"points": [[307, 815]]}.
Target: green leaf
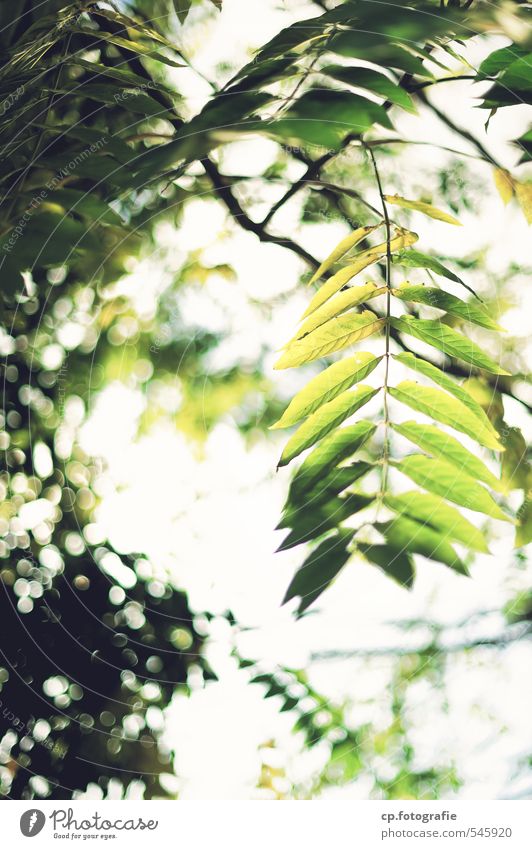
{"points": [[126, 98], [315, 521], [416, 259], [500, 59], [327, 385], [394, 562], [332, 336], [342, 248], [405, 534], [325, 120], [446, 480], [301, 498], [87, 204], [523, 534], [444, 408], [325, 419], [515, 471], [446, 520], [383, 51], [361, 261], [525, 145], [342, 302], [440, 444], [375, 81], [437, 375], [140, 48], [447, 340], [425, 208], [319, 569], [335, 448], [438, 299]]}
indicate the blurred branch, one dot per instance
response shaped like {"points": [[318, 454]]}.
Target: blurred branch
{"points": [[449, 123], [223, 189], [311, 173], [435, 647]]}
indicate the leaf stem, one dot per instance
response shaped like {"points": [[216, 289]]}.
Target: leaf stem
{"points": [[388, 281]]}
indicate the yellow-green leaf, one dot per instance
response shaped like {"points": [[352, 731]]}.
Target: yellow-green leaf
{"points": [[438, 299], [504, 184], [523, 193], [432, 509], [336, 306], [335, 448], [444, 408], [436, 374], [425, 208], [327, 418], [342, 248], [401, 240], [406, 534], [523, 533], [332, 336], [434, 441], [515, 471], [327, 385], [448, 340], [441, 478]]}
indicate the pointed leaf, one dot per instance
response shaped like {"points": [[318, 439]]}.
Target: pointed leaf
{"points": [[396, 563], [437, 375], [327, 385], [447, 340], [433, 510], [434, 441], [405, 534], [342, 302], [328, 417], [361, 261], [342, 248], [311, 524], [438, 299], [515, 471], [416, 259], [326, 120], [444, 408], [372, 80], [523, 534], [425, 208], [332, 336], [339, 446], [331, 484], [319, 569], [441, 478], [504, 184], [523, 193]]}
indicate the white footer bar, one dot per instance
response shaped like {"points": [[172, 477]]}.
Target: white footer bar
{"points": [[259, 825]]}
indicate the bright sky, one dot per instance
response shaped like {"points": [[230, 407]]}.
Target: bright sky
{"points": [[209, 519]]}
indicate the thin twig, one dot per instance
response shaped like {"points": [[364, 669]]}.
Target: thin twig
{"points": [[388, 282]]}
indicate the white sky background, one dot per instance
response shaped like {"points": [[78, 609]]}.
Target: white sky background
{"points": [[209, 521]]}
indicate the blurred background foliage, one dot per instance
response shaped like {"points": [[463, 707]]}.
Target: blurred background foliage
{"points": [[105, 152]]}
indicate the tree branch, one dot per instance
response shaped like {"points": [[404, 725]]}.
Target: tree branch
{"points": [[225, 194]]}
